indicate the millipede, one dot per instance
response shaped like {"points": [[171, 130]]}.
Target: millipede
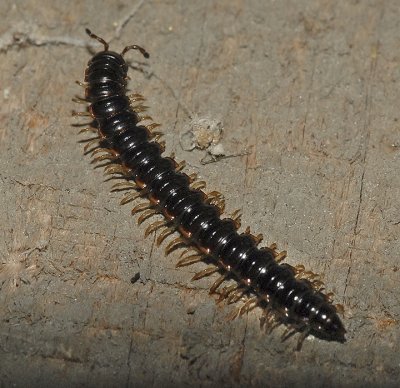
{"points": [[249, 275]]}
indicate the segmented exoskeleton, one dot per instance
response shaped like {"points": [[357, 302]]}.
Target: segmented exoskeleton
{"points": [[261, 280]]}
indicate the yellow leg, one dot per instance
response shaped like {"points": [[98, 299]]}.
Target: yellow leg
{"points": [[205, 272]]}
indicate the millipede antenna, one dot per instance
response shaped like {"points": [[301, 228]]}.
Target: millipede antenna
{"points": [[136, 47], [101, 40]]}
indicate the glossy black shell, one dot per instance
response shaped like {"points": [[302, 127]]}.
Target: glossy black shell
{"points": [[295, 300]]}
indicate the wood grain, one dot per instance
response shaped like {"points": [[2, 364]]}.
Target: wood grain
{"points": [[307, 92]]}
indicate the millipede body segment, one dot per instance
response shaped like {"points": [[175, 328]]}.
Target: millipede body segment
{"points": [[284, 292]]}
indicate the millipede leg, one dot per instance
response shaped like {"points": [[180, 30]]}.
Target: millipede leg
{"points": [[146, 214], [117, 169], [180, 166], [226, 291], [198, 185], [298, 270], [81, 114], [91, 143], [287, 333], [188, 260], [233, 314], [156, 136], [174, 244], [150, 127], [83, 84], [154, 226], [269, 323], [235, 296], [249, 305], [217, 283], [318, 285], [280, 256], [88, 129], [164, 234], [215, 194], [140, 208], [140, 108], [310, 275], [79, 100], [130, 197], [103, 157], [205, 272], [215, 198], [143, 118], [107, 150], [257, 239], [302, 337], [187, 250], [236, 218], [329, 297], [162, 145], [107, 154], [192, 177], [273, 247], [123, 186], [339, 308], [136, 97]]}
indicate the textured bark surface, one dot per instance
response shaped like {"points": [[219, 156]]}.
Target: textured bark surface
{"points": [[307, 92]]}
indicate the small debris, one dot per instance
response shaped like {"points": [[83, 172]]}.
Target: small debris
{"points": [[191, 310], [203, 134], [206, 134], [6, 93], [217, 150], [135, 278], [17, 268], [215, 157]]}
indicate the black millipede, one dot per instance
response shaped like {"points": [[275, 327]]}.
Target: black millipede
{"points": [[287, 294]]}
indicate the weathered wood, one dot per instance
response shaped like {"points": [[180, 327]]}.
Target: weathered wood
{"points": [[307, 92]]}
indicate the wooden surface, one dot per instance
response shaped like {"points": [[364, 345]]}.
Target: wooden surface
{"points": [[307, 92]]}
